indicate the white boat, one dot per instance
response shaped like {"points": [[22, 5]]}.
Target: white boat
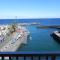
{"points": [[56, 35]]}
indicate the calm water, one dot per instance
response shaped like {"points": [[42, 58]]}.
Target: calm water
{"points": [[41, 39]]}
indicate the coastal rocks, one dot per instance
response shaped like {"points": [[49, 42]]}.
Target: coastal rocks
{"points": [[14, 37]]}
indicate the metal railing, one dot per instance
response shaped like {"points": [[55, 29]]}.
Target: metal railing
{"points": [[53, 55]]}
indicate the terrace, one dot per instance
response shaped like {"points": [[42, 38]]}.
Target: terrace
{"points": [[32, 55]]}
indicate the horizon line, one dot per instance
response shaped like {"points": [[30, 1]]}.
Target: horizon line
{"points": [[32, 18]]}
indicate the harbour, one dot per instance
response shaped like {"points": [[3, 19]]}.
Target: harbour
{"points": [[29, 30], [41, 39]]}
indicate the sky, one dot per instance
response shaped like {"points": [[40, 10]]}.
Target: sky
{"points": [[29, 9]]}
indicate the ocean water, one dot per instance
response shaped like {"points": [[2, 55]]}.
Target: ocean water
{"points": [[51, 21], [41, 40]]}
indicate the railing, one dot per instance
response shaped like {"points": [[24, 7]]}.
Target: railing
{"points": [[53, 55]]}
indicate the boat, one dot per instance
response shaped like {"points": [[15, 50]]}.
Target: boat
{"points": [[56, 35], [12, 36]]}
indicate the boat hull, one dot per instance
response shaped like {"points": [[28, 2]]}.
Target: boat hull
{"points": [[55, 37]]}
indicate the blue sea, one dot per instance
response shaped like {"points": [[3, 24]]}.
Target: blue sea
{"points": [[46, 21]]}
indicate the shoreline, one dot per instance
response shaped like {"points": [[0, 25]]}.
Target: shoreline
{"points": [[12, 46]]}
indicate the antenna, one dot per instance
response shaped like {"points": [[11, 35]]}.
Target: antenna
{"points": [[15, 20]]}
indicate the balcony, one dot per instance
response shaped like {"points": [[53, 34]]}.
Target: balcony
{"points": [[30, 55]]}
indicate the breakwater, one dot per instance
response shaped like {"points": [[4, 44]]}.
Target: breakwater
{"points": [[51, 26]]}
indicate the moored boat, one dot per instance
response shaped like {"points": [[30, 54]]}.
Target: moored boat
{"points": [[56, 35]]}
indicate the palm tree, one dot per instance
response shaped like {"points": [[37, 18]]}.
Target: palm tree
{"points": [[14, 27]]}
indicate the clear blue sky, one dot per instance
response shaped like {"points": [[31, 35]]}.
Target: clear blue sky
{"points": [[30, 8]]}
